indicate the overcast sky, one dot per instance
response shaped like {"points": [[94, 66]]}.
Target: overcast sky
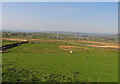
{"points": [[88, 17]]}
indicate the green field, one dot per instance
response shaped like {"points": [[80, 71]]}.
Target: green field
{"points": [[46, 62], [5, 42]]}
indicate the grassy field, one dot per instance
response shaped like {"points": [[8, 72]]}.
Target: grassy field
{"points": [[5, 42], [45, 61]]}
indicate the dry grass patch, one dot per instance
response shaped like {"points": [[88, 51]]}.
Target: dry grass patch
{"points": [[63, 47]]}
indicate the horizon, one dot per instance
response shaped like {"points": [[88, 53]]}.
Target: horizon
{"points": [[16, 31], [84, 17]]}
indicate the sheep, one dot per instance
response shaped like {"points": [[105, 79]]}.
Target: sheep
{"points": [[71, 52]]}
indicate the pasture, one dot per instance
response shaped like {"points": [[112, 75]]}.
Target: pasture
{"points": [[46, 61]]}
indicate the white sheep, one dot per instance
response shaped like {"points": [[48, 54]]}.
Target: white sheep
{"points": [[71, 52]]}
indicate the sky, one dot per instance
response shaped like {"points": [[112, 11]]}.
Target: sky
{"points": [[85, 17], [0, 17], [60, 0]]}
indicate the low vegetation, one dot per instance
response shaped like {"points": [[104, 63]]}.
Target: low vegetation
{"points": [[51, 61]]}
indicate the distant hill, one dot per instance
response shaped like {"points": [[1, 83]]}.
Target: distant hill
{"points": [[73, 33], [83, 34]]}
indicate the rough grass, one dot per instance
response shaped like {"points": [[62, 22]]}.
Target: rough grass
{"points": [[45, 62], [5, 42]]}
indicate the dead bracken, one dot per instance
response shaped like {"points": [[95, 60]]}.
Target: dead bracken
{"points": [[70, 47]]}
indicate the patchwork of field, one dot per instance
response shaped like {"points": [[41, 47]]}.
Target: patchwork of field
{"points": [[76, 42], [50, 61]]}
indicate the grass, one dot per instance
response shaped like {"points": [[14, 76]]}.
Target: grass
{"points": [[45, 62], [0, 68], [5, 42]]}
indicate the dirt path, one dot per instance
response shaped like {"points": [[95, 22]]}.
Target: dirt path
{"points": [[103, 46], [14, 39]]}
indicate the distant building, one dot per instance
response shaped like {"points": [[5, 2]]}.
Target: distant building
{"points": [[58, 37]]}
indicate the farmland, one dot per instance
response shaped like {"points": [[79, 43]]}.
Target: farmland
{"points": [[49, 60]]}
